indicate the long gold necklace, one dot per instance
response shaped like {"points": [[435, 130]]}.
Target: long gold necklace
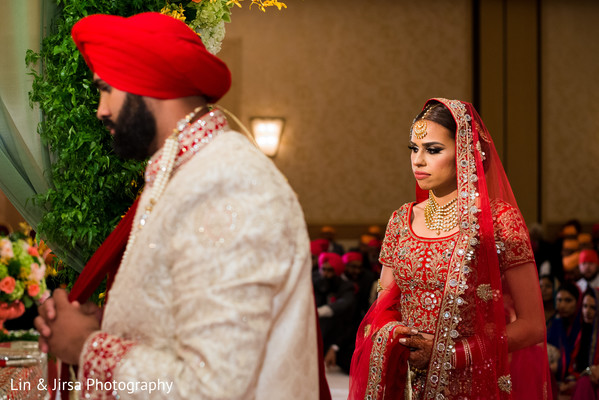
{"points": [[170, 151], [440, 218]]}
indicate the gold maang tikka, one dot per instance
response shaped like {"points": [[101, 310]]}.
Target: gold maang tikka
{"points": [[419, 127]]}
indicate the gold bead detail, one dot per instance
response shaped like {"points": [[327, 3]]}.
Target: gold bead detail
{"points": [[440, 218]]}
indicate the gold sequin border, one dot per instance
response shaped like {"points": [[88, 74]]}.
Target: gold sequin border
{"points": [[374, 390], [457, 279]]}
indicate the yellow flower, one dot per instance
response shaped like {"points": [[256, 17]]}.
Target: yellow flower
{"points": [[234, 2], [23, 273], [275, 3], [175, 11], [262, 4]]}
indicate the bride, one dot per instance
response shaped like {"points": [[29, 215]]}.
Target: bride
{"points": [[459, 311]]}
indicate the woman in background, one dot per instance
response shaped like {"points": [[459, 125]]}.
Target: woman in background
{"points": [[458, 288], [585, 356], [565, 326]]}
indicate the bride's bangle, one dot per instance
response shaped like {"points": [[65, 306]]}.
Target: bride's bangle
{"points": [[379, 287], [468, 352]]}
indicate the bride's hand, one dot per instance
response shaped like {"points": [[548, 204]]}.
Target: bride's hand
{"points": [[404, 330], [420, 350]]}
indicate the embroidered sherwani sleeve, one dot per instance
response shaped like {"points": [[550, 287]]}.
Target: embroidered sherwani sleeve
{"points": [[228, 257]]}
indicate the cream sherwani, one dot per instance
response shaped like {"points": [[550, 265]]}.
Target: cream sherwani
{"points": [[215, 295]]}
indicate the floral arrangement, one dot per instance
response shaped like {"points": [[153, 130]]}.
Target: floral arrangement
{"points": [[209, 17], [22, 270]]}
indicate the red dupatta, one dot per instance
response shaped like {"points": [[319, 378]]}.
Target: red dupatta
{"points": [[469, 355]]}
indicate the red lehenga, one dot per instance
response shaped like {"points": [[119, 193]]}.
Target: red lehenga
{"points": [[452, 287]]}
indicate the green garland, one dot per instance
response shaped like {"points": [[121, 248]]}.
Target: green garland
{"points": [[91, 187]]}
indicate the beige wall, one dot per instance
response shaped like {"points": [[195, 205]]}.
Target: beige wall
{"points": [[348, 76], [570, 110]]}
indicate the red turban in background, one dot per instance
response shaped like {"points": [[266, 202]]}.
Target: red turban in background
{"points": [[352, 256], [318, 246], [375, 243], [588, 255], [334, 260], [150, 54]]}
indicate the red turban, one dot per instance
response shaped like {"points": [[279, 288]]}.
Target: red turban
{"points": [[334, 260], [375, 243], [352, 256], [588, 255], [318, 246], [150, 54]]}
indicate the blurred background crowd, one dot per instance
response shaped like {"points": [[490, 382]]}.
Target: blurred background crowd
{"points": [[345, 276]]}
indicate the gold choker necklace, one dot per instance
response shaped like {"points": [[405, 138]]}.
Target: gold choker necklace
{"points": [[440, 218]]}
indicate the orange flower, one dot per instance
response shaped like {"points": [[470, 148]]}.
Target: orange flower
{"points": [[197, 1], [7, 285], [33, 251], [33, 290]]}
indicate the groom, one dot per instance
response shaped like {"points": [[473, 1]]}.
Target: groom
{"points": [[213, 296]]}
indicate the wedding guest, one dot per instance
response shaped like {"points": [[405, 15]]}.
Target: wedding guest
{"points": [[587, 387], [363, 249], [540, 247], [317, 247], [585, 349], [588, 265], [328, 232], [585, 240], [570, 259], [362, 279], [570, 229], [459, 313], [585, 352], [213, 295], [336, 300], [563, 329], [553, 265], [373, 250], [376, 232], [547, 284]]}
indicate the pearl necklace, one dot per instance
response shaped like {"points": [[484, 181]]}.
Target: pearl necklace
{"points": [[440, 218], [170, 150]]}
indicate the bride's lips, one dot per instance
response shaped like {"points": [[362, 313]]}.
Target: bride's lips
{"points": [[421, 175]]}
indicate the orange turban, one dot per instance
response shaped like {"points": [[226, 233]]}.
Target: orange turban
{"points": [[570, 244], [570, 261], [327, 229], [374, 230], [365, 239], [150, 54], [585, 240]]}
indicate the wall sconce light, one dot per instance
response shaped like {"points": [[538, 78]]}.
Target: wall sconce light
{"points": [[267, 132]]}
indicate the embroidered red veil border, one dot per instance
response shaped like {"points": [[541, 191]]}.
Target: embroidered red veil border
{"points": [[476, 303]]}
